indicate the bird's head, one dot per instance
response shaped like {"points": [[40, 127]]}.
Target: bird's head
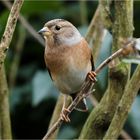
{"points": [[60, 32]]}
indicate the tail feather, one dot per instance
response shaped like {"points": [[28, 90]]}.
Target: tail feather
{"points": [[82, 106]]}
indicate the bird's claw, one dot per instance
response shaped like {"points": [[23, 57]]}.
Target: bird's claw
{"points": [[92, 76], [63, 116]]}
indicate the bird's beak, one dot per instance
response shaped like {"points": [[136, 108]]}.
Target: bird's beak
{"points": [[45, 31]]}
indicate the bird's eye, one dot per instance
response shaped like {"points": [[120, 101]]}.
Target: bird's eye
{"points": [[57, 27]]}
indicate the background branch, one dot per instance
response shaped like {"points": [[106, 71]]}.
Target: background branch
{"points": [[123, 134], [26, 24], [5, 123], [100, 118], [106, 13], [124, 106], [10, 27], [5, 130]]}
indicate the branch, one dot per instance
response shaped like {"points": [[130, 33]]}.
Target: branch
{"points": [[5, 124], [124, 106], [56, 113], [123, 134], [5, 128], [100, 118], [105, 13], [87, 86], [26, 24], [9, 30]]}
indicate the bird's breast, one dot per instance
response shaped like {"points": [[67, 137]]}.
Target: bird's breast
{"points": [[71, 81], [68, 67]]}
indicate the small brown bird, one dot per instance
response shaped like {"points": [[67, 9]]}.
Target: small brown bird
{"points": [[68, 59]]}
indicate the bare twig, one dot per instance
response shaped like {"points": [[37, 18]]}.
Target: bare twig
{"points": [[26, 24], [88, 85]]}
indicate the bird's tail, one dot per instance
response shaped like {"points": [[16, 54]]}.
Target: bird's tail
{"points": [[82, 105]]}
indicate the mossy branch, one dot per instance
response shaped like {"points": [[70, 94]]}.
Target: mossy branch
{"points": [[26, 24], [124, 106], [100, 118]]}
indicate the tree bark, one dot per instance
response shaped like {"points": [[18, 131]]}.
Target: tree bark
{"points": [[5, 127], [5, 124], [124, 106], [100, 118]]}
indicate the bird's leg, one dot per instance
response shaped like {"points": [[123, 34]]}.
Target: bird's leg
{"points": [[92, 76], [64, 110]]}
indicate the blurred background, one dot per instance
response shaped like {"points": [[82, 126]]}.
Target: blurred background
{"points": [[32, 93]]}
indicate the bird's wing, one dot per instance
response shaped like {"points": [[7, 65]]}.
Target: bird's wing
{"points": [[92, 63], [49, 72]]}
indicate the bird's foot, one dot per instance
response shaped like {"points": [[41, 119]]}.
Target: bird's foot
{"points": [[63, 116], [92, 76]]}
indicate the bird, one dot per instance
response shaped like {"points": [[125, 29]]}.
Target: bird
{"points": [[68, 59]]}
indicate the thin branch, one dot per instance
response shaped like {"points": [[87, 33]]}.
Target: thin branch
{"points": [[56, 113], [9, 30], [26, 24], [4, 46], [88, 85]]}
